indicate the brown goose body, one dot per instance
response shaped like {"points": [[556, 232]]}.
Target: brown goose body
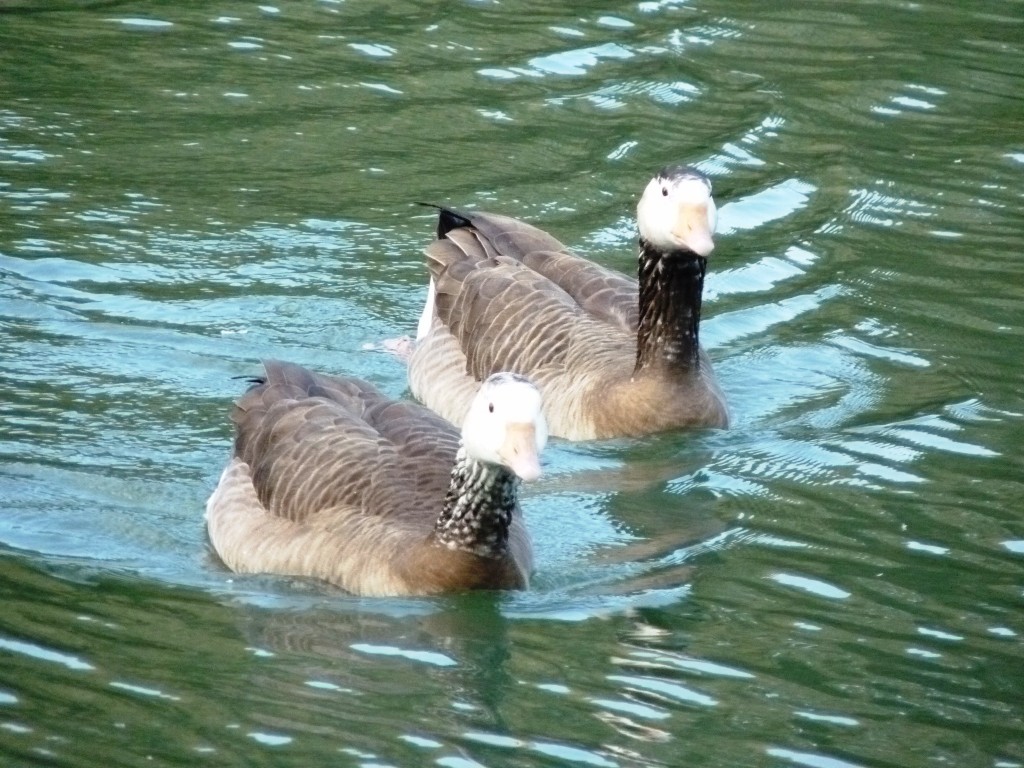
{"points": [[331, 479], [612, 357]]}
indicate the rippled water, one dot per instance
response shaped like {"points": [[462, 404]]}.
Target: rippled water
{"points": [[836, 581]]}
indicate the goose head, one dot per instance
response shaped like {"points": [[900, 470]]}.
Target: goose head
{"points": [[506, 426], [676, 211]]}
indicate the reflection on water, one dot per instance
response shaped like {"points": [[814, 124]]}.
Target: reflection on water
{"points": [[834, 581]]}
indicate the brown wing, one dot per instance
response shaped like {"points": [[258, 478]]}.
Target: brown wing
{"points": [[315, 442], [505, 316], [601, 293]]}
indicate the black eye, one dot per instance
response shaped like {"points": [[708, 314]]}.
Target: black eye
{"points": [[664, 191], [490, 407]]}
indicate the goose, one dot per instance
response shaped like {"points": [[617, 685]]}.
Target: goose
{"points": [[612, 357], [331, 479]]}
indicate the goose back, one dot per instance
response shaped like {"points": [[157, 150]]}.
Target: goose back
{"points": [[600, 292]]}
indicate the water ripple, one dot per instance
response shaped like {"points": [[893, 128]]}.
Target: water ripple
{"points": [[44, 654], [840, 571]]}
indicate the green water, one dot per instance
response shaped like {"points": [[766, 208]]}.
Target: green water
{"points": [[836, 581]]}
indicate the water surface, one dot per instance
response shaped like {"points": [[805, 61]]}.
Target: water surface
{"points": [[835, 581]]}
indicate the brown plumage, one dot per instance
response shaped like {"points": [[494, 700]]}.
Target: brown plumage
{"points": [[612, 357], [331, 479]]}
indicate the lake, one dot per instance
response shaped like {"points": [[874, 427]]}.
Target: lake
{"points": [[835, 581]]}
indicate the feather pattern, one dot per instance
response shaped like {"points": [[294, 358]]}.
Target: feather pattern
{"points": [[330, 478], [611, 355]]}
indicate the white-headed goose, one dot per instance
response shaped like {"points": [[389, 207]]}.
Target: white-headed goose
{"points": [[611, 358], [331, 479]]}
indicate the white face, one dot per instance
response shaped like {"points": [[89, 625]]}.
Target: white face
{"points": [[505, 425], [676, 212]]}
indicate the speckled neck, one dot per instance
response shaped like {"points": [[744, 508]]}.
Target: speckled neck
{"points": [[477, 508], [671, 287]]}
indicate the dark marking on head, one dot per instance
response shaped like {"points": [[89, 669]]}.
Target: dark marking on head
{"points": [[680, 172], [507, 377]]}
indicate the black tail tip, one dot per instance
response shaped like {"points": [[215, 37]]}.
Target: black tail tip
{"points": [[447, 220], [252, 381]]}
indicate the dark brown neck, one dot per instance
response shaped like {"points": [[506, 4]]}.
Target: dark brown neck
{"points": [[477, 508], [671, 285]]}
